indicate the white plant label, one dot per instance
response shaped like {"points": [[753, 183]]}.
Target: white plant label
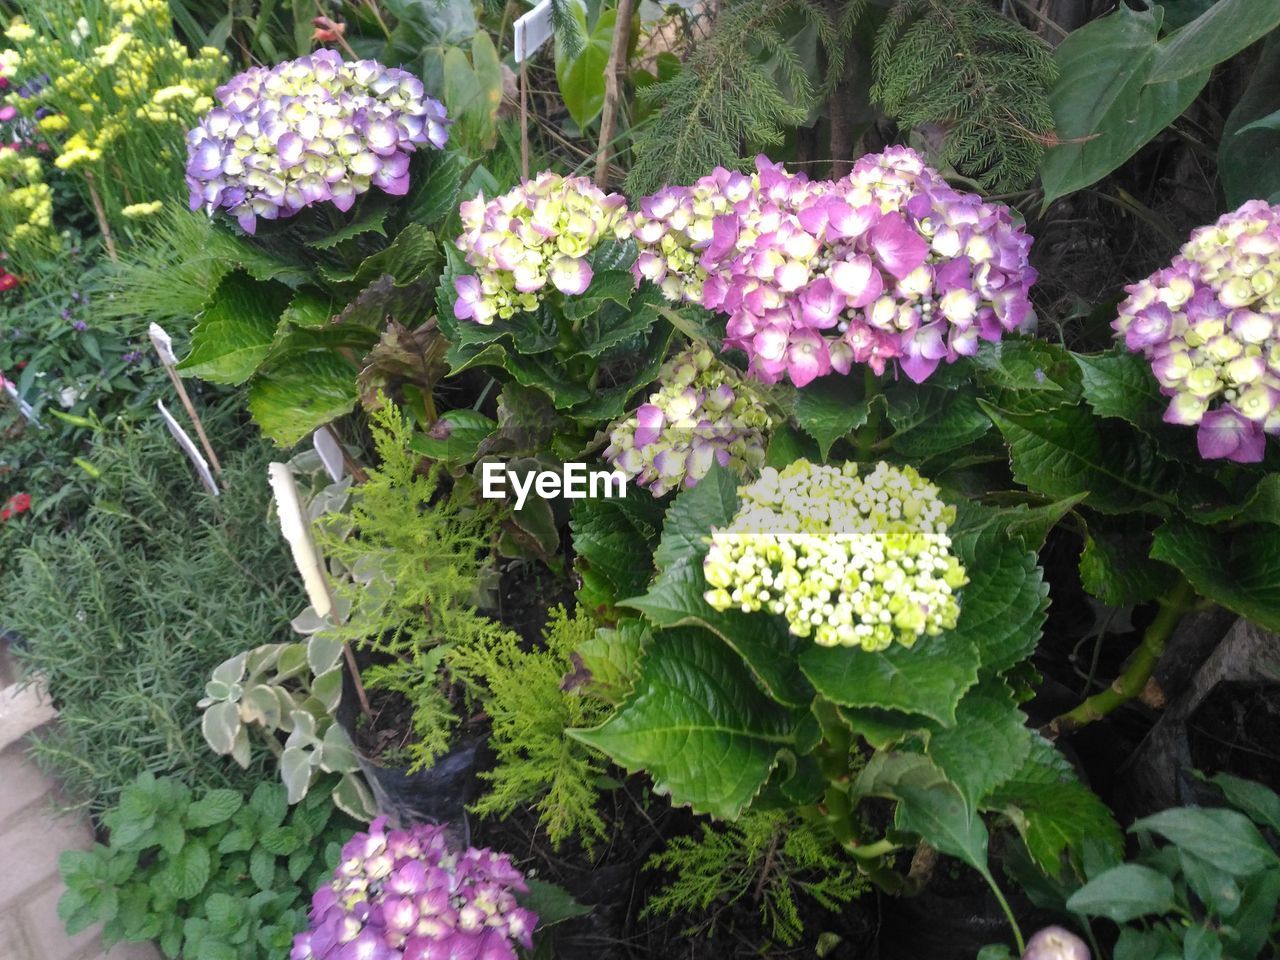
{"points": [[330, 454], [24, 408], [163, 344], [533, 30], [190, 449], [573, 482], [297, 531]]}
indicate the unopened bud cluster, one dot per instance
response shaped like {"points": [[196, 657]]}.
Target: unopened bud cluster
{"points": [[541, 232], [403, 895], [701, 413], [1210, 325], [856, 561]]}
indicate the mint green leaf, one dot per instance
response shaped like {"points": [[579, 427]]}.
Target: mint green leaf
{"points": [[697, 723], [1216, 35], [1239, 570], [216, 806], [927, 679], [1062, 452], [940, 816], [1124, 893], [236, 330], [1053, 812], [1259, 803], [280, 841], [581, 77], [1225, 838], [188, 872], [988, 744], [300, 394], [262, 868], [168, 833], [1104, 108], [829, 409]]}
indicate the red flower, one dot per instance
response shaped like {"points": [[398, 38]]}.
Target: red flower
{"points": [[18, 503], [7, 281]]}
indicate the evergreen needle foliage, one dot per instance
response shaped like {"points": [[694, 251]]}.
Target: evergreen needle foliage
{"points": [[768, 856], [981, 76], [728, 96], [416, 556], [127, 613], [537, 762]]}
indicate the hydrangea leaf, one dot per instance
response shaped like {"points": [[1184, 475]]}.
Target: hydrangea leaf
{"points": [[1003, 606], [1030, 525], [1052, 811], [1061, 452], [930, 420], [713, 752], [1120, 384], [939, 814], [1260, 505], [301, 393], [1017, 363], [1240, 570], [828, 410], [677, 595], [988, 744], [927, 679], [612, 657], [236, 329], [435, 182], [613, 539], [1117, 570]]}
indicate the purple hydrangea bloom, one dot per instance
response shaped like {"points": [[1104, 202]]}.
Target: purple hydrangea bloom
{"points": [[403, 895], [701, 413], [888, 265], [1210, 325], [306, 131]]}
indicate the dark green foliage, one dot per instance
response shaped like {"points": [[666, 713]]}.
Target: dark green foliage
{"points": [[537, 762], [157, 585], [208, 876], [768, 856], [729, 93], [979, 75], [417, 555]]}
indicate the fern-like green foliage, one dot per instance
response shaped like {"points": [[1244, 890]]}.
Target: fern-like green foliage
{"points": [[729, 96], [537, 762], [770, 857], [416, 555], [981, 76]]}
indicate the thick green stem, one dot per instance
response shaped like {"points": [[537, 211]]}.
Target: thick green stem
{"points": [[1137, 671], [870, 431]]}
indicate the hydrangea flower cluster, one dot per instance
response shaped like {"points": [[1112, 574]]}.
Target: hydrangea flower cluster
{"points": [[538, 233], [851, 561], [889, 264], [306, 131], [402, 895], [701, 413], [1210, 325]]}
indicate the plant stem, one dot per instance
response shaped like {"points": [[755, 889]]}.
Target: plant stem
{"points": [[870, 431], [1137, 671], [1008, 912], [101, 214], [612, 88]]}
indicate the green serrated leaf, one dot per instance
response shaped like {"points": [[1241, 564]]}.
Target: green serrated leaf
{"points": [[988, 744], [829, 409], [712, 752], [235, 330], [1239, 570], [262, 868], [302, 393], [939, 814], [1118, 571], [369, 218], [1062, 452], [930, 420], [188, 872], [455, 437]]}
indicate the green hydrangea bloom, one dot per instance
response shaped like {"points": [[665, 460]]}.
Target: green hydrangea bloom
{"points": [[855, 561]]}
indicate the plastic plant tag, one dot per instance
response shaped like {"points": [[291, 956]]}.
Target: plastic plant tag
{"points": [[297, 531], [330, 453], [189, 448], [163, 345], [533, 30]]}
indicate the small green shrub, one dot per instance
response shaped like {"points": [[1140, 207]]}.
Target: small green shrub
{"points": [[538, 763], [129, 612], [208, 877], [768, 856]]}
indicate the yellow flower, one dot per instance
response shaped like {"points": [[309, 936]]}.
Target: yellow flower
{"points": [[53, 123], [178, 91], [111, 52], [18, 31], [138, 210]]}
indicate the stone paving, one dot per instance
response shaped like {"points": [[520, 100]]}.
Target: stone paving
{"points": [[31, 838]]}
